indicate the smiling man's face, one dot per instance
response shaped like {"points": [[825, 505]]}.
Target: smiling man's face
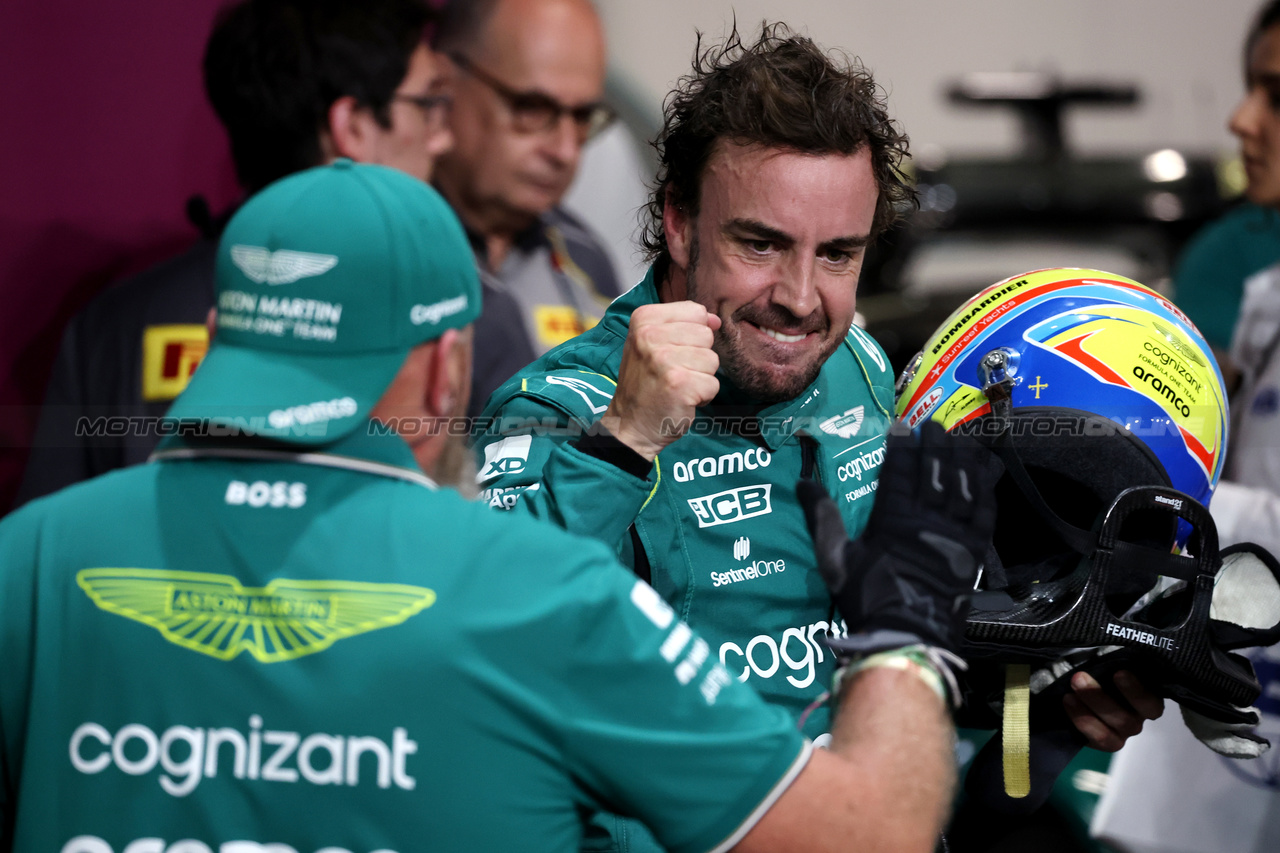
{"points": [[775, 252]]}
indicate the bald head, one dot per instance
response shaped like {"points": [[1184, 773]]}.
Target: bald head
{"points": [[554, 32], [505, 171], [464, 25]]}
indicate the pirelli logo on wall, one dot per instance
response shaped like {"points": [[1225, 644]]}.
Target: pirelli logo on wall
{"points": [[559, 323], [170, 354]]}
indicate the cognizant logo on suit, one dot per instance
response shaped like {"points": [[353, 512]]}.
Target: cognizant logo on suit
{"points": [[795, 653], [183, 755]]}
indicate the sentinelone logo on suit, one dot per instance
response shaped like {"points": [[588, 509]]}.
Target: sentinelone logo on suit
{"points": [[756, 569]]}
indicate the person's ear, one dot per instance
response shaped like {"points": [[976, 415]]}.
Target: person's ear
{"points": [[351, 130], [448, 384], [211, 322], [677, 225]]}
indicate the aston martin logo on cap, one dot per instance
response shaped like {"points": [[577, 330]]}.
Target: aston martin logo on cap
{"points": [[216, 615], [282, 266]]}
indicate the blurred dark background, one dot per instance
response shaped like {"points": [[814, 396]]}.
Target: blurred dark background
{"points": [[107, 136]]}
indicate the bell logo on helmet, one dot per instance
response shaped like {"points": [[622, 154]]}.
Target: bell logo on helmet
{"points": [[1126, 419], [923, 408], [1175, 311]]}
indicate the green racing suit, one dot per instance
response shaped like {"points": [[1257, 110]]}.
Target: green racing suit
{"points": [[714, 525]]}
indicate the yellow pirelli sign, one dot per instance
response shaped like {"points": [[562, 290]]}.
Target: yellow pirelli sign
{"points": [[170, 354], [558, 323]]}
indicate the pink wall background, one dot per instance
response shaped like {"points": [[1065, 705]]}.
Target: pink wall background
{"points": [[107, 134]]}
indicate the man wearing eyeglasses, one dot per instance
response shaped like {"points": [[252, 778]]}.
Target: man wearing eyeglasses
{"points": [[296, 83], [529, 88]]}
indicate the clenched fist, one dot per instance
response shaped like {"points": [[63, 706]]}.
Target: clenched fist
{"points": [[668, 369]]}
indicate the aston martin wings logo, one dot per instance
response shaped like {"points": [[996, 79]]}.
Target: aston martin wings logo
{"points": [[1174, 340], [846, 425], [217, 616], [281, 266]]}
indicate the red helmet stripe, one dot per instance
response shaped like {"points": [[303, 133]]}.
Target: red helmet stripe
{"points": [[1074, 350], [1202, 454]]}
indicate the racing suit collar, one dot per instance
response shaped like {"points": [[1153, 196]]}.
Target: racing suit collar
{"points": [[774, 424]]}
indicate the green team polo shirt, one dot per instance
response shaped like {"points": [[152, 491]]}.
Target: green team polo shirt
{"points": [[240, 651], [1208, 281], [717, 522]]}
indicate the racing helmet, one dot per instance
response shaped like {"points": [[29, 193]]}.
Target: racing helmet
{"points": [[1107, 409], [1099, 382]]}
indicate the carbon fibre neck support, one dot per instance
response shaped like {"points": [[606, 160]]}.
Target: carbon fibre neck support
{"points": [[1054, 617], [1172, 644]]}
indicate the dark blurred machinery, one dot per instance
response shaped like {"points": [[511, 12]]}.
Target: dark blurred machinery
{"points": [[983, 219]]}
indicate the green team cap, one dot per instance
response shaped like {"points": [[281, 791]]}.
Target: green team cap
{"points": [[325, 280]]}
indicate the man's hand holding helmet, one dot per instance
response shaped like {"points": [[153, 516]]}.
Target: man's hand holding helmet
{"points": [[905, 582]]}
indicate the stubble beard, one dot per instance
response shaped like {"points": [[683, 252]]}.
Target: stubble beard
{"points": [[738, 367], [456, 467]]}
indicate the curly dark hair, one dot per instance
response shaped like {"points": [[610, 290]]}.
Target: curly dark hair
{"points": [[781, 92]]}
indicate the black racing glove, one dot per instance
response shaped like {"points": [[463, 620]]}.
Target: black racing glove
{"points": [[908, 578]]}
